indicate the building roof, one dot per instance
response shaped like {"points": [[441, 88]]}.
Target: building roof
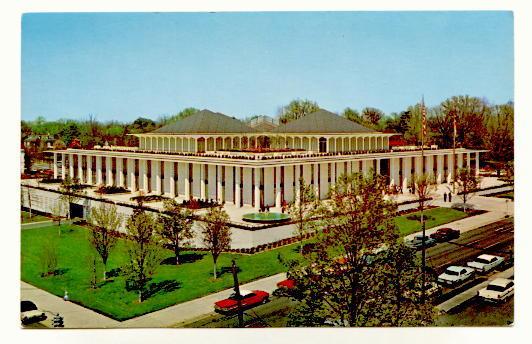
{"points": [[263, 123], [205, 122], [322, 121]]}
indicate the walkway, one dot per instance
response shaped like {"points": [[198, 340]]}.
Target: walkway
{"points": [[74, 316]]}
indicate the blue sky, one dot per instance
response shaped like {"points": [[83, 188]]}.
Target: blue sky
{"points": [[121, 66]]}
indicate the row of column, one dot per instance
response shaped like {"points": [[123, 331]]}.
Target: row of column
{"points": [[242, 185], [405, 165]]}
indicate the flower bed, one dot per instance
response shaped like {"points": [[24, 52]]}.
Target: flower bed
{"points": [[109, 189], [149, 198], [51, 180]]}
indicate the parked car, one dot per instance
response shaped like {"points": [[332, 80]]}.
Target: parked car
{"points": [[455, 275], [445, 234], [498, 290], [432, 290], [485, 263], [248, 299], [29, 313], [417, 242], [286, 284]]}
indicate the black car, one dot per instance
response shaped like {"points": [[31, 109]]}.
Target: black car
{"points": [[445, 234], [29, 313]]}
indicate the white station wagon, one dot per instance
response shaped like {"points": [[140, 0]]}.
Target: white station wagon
{"points": [[498, 290], [485, 263], [455, 275]]}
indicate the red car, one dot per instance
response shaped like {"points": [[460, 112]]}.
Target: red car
{"points": [[286, 284], [445, 234], [248, 299]]}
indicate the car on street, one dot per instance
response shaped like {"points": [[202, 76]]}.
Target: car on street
{"points": [[29, 313], [445, 234], [286, 284], [498, 290], [485, 263], [432, 290], [455, 275], [417, 242], [248, 299]]}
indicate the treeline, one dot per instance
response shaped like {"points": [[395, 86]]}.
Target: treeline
{"points": [[479, 125]]}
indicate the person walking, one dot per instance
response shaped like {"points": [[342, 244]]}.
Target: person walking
{"points": [[450, 195], [445, 196]]}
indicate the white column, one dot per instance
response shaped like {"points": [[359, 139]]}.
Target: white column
{"points": [[460, 161], [89, 170], [237, 186], [378, 166], [55, 165], [333, 173], [419, 166], [450, 168], [109, 170], [430, 164], [394, 171], [468, 161], [439, 168], [143, 175], [169, 181], [202, 182], [131, 174], [99, 170], [297, 176], [71, 165], [186, 178], [219, 188], [119, 172], [316, 180], [80, 169], [156, 169], [278, 186], [256, 171], [407, 172], [477, 163]]}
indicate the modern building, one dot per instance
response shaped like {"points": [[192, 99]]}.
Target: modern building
{"points": [[209, 155]]}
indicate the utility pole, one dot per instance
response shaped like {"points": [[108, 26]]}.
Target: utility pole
{"points": [[237, 295]]}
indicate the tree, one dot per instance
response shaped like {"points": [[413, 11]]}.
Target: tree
{"points": [[216, 233], [105, 222], [344, 281], [70, 132], [142, 125], [297, 109], [303, 209], [70, 189], [372, 115], [180, 115], [423, 185], [58, 211], [143, 253], [353, 115], [500, 134], [468, 182], [49, 257], [176, 226], [59, 144]]}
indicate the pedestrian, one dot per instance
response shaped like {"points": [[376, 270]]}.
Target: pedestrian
{"points": [[450, 197], [66, 296], [445, 196]]}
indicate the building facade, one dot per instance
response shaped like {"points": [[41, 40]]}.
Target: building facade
{"points": [[213, 156]]}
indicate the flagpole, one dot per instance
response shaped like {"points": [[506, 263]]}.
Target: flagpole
{"points": [[422, 194], [454, 150]]}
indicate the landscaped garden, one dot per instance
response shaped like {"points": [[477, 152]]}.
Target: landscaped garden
{"points": [[410, 223], [171, 284]]}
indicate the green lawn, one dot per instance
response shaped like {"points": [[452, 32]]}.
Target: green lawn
{"points": [[435, 217], [25, 217], [171, 284]]}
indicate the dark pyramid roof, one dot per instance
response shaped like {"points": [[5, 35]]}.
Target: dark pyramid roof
{"points": [[322, 121], [205, 122]]}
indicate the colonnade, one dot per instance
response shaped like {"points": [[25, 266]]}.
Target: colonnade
{"points": [[244, 185], [316, 143]]}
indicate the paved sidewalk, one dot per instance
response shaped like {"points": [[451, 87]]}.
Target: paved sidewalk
{"points": [[193, 309], [471, 292], [75, 316], [39, 224]]}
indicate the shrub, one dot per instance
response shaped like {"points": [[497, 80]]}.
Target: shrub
{"points": [[110, 189]]}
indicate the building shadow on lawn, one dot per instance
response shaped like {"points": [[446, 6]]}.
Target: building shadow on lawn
{"points": [[184, 258], [166, 286]]}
